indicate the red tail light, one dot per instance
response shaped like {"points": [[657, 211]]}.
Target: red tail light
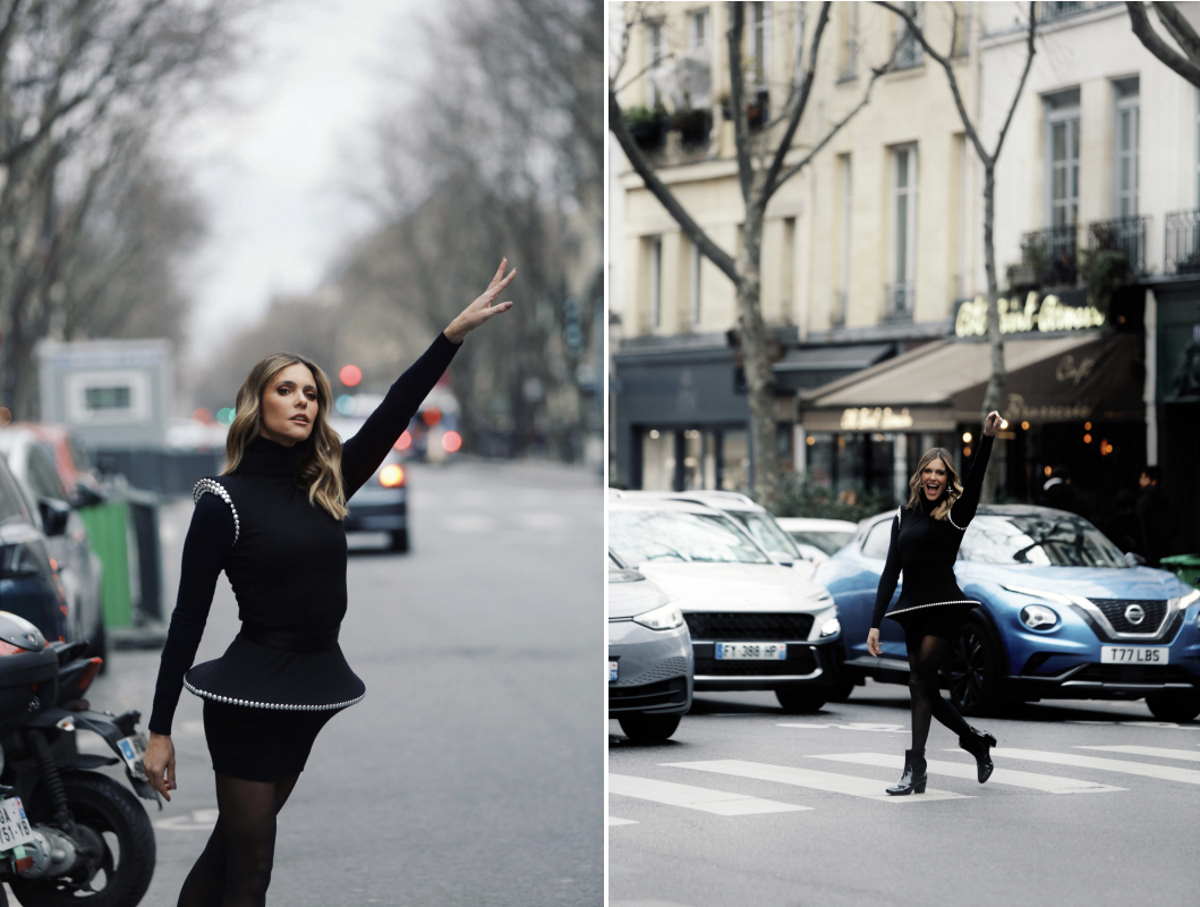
{"points": [[89, 673]]}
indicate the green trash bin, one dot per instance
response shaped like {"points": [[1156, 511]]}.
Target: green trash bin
{"points": [[1185, 566], [108, 532]]}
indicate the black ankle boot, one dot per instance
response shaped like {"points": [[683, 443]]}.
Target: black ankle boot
{"points": [[913, 779], [977, 743]]}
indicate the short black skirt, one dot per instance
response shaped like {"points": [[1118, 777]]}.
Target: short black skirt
{"points": [[260, 744], [945, 621]]}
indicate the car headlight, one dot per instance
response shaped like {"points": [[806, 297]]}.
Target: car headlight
{"points": [[831, 627], [825, 624], [1185, 601], [666, 617], [1039, 617]]}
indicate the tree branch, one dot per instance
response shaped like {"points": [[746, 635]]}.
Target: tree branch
{"points": [[1030, 50], [1181, 30], [618, 127], [1156, 45], [741, 127]]}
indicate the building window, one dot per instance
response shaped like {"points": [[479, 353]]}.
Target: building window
{"points": [[904, 232], [848, 45], [698, 29], [654, 55], [1050, 11], [962, 29], [656, 281], [787, 289], [909, 52], [845, 239], [1062, 130], [1126, 155], [760, 40], [696, 261]]}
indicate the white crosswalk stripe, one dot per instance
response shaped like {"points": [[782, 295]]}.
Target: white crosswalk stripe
{"points": [[1079, 760], [1050, 784], [718, 802], [1163, 752], [829, 782]]}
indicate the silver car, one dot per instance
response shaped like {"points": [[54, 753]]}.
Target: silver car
{"points": [[649, 657]]}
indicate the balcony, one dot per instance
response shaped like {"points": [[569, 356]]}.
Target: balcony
{"points": [[899, 301], [1052, 256], [1181, 247], [1122, 234]]}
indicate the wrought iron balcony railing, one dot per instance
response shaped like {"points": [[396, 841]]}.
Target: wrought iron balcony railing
{"points": [[1181, 246], [1122, 234], [899, 301], [1053, 255]]}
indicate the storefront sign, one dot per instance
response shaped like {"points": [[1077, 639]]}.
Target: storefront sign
{"points": [[1047, 315], [867, 418]]}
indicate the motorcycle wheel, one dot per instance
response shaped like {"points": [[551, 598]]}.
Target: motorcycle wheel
{"points": [[126, 864]]}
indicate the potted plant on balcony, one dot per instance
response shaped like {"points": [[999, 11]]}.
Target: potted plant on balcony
{"points": [[1104, 271], [693, 125], [648, 126]]}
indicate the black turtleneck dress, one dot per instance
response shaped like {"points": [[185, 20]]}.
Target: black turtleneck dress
{"points": [[284, 675], [925, 550]]}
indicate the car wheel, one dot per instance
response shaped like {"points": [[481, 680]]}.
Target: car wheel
{"points": [[649, 728], [797, 700], [1175, 705], [973, 672], [399, 541]]}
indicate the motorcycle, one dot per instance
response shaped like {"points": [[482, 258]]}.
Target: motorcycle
{"points": [[68, 833]]}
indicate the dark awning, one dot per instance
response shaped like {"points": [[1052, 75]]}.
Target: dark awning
{"points": [[814, 366]]}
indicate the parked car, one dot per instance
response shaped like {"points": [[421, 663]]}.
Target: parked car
{"points": [[649, 657], [33, 465], [754, 518], [72, 462], [1064, 615], [381, 504], [29, 583], [820, 538], [755, 625]]}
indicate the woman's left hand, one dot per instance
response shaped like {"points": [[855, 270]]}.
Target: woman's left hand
{"points": [[483, 307], [993, 421]]}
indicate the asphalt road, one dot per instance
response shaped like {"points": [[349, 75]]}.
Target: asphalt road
{"points": [[472, 772], [1091, 803]]}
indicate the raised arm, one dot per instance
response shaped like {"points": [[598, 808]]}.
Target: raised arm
{"points": [[362, 454], [209, 539], [964, 508], [889, 577]]}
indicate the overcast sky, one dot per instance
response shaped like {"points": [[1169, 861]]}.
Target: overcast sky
{"points": [[270, 170]]}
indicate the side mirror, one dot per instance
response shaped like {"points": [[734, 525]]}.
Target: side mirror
{"points": [[1133, 559], [54, 515], [16, 562]]}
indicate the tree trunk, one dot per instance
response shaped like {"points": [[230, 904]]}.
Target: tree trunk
{"points": [[994, 397]]}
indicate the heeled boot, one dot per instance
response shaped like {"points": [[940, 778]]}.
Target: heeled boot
{"points": [[914, 777], [977, 743]]}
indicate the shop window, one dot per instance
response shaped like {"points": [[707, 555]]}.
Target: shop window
{"points": [[658, 459], [735, 460], [699, 459]]}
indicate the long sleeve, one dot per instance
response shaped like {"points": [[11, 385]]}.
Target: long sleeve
{"points": [[964, 508], [362, 454], [209, 539], [890, 575]]}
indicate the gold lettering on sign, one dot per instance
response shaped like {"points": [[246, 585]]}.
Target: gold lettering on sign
{"points": [[867, 418], [1020, 318], [1068, 370]]}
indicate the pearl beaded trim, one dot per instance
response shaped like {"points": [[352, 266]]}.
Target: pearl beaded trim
{"points": [[285, 706], [958, 601], [214, 487], [950, 517]]}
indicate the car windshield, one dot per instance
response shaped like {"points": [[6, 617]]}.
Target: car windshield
{"points": [[766, 532], [1050, 540], [829, 542], [656, 535]]}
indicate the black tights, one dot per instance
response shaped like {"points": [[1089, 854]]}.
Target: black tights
{"points": [[235, 868], [926, 655]]}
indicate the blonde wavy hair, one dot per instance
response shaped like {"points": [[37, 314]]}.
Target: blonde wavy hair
{"points": [[322, 472], [954, 488]]}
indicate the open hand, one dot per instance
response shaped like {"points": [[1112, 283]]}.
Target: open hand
{"points": [[993, 421], [159, 762], [484, 305]]}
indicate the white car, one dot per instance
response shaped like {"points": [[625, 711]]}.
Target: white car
{"points": [[755, 625], [819, 538]]}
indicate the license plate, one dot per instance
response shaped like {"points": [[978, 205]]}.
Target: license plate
{"points": [[132, 749], [612, 670], [1134, 655], [14, 824], [751, 651]]}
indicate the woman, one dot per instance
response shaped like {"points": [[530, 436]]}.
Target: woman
{"points": [[926, 534], [273, 522]]}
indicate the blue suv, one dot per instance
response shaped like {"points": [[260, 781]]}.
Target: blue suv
{"points": [[1065, 615]]}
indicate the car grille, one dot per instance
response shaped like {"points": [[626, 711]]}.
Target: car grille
{"points": [[1133, 674], [734, 627], [650, 695], [1114, 610], [800, 660]]}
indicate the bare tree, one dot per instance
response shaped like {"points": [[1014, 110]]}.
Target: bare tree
{"points": [[766, 160], [993, 397], [1187, 62]]}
